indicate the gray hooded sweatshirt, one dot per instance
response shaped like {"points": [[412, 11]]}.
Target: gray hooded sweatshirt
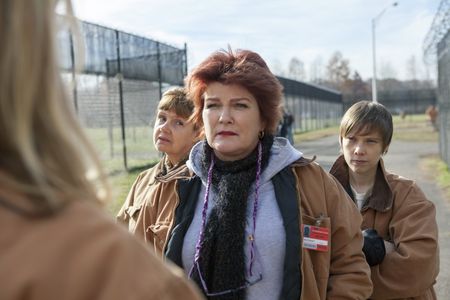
{"points": [[269, 235]]}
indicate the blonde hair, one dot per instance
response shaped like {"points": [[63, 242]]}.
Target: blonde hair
{"points": [[175, 99], [44, 153]]}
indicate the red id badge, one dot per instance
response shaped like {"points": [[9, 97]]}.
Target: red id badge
{"points": [[315, 238]]}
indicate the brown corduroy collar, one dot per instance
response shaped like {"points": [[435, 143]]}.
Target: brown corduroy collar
{"points": [[382, 197]]}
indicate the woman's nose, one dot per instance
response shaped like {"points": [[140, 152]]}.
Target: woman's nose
{"points": [[165, 126], [225, 116]]}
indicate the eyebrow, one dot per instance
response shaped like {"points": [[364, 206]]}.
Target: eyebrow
{"points": [[365, 136], [213, 98], [168, 113], [162, 112]]}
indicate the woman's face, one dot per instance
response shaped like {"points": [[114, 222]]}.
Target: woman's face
{"points": [[232, 120], [173, 135]]}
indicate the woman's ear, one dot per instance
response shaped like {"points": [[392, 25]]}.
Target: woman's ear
{"points": [[263, 126], [386, 150]]}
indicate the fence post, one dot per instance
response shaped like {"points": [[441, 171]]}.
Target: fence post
{"points": [[185, 60], [110, 112], [158, 55], [122, 115], [74, 82]]}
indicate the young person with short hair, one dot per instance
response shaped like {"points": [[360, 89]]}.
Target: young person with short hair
{"points": [[399, 222]]}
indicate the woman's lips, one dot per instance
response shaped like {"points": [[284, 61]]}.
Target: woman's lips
{"points": [[226, 133], [164, 140]]}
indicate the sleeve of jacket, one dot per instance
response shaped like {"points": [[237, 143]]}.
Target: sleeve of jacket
{"points": [[115, 265], [148, 278], [349, 276], [414, 231]]}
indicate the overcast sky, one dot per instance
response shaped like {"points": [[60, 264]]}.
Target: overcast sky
{"points": [[310, 30]]}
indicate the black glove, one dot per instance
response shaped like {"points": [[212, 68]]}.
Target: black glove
{"points": [[373, 248]]}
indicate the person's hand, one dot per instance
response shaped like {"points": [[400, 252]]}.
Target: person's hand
{"points": [[390, 247], [373, 248]]}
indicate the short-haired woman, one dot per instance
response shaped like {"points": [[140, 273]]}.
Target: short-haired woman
{"points": [[153, 196], [238, 228]]}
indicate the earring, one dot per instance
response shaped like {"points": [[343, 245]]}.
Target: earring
{"points": [[261, 134]]}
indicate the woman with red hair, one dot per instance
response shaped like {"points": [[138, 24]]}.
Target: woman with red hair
{"points": [[238, 229]]}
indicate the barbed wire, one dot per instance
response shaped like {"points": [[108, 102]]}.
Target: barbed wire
{"points": [[438, 29]]}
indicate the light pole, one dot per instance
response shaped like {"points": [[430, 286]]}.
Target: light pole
{"points": [[374, 77]]}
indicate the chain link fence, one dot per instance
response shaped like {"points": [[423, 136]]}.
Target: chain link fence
{"points": [[117, 91], [404, 102], [314, 107], [437, 53], [443, 50]]}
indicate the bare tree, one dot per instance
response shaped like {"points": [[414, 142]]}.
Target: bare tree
{"points": [[296, 69], [277, 67], [338, 70], [411, 68], [387, 70], [355, 89], [316, 70], [387, 74]]}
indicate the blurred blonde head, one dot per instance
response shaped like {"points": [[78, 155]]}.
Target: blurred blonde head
{"points": [[44, 153]]}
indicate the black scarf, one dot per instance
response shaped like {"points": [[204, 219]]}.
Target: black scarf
{"points": [[222, 256]]}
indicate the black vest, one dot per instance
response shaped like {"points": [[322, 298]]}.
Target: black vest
{"points": [[286, 194]]}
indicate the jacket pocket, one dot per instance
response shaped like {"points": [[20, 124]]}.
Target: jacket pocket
{"points": [[133, 216], [158, 234], [317, 261]]}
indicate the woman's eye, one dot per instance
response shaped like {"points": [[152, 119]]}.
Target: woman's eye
{"points": [[241, 105], [210, 105], [161, 120], [179, 123]]}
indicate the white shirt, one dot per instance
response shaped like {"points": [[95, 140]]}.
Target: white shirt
{"points": [[360, 197]]}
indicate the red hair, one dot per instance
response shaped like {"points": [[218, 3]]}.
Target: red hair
{"points": [[244, 68]]}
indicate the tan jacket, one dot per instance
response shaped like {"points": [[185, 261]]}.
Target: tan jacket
{"points": [[150, 205], [341, 273], [78, 254], [401, 214]]}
